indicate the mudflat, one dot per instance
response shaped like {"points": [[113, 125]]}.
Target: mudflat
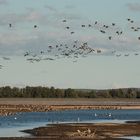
{"points": [[9, 106], [82, 131], [87, 131]]}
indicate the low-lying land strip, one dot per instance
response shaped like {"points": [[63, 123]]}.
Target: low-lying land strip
{"points": [[9, 106], [97, 131]]}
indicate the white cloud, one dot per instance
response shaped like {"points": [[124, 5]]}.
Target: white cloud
{"points": [[134, 7]]}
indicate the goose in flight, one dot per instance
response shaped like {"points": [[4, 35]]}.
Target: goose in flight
{"points": [[98, 51], [64, 20], [118, 55], [110, 37], [113, 24], [72, 32], [35, 26], [83, 25], [126, 55], [136, 54], [26, 54], [96, 22], [10, 25]]}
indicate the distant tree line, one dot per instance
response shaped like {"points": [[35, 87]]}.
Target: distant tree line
{"points": [[46, 92]]}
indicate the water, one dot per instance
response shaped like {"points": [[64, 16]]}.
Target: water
{"points": [[10, 126], [132, 138]]}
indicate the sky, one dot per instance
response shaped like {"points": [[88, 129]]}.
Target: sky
{"points": [[96, 71]]}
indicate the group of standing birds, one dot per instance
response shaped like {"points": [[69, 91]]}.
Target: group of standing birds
{"points": [[77, 49]]}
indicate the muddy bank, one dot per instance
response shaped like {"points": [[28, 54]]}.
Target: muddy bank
{"points": [[12, 109], [60, 139], [82, 131], [90, 131], [9, 109]]}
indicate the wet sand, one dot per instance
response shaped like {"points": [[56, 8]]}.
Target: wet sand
{"points": [[9, 106]]}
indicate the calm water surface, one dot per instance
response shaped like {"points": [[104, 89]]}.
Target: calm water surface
{"points": [[10, 126]]}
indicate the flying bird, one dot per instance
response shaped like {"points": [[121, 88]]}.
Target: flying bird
{"points": [[98, 51], [26, 54], [10, 25], [35, 26], [96, 22], [113, 24], [89, 25], [136, 54], [110, 37], [129, 19], [102, 31], [118, 55], [64, 20], [72, 32], [126, 55], [83, 25]]}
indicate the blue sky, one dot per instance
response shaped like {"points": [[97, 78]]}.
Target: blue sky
{"points": [[95, 71]]}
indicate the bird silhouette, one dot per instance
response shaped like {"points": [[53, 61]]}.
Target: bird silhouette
{"points": [[113, 24], [26, 54], [72, 32], [10, 25], [83, 25], [96, 22], [102, 31], [35, 26], [110, 37], [136, 54], [64, 20], [126, 55]]}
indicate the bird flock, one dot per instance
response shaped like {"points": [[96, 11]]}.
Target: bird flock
{"points": [[77, 49]]}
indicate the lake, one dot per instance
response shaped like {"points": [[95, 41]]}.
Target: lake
{"points": [[10, 126]]}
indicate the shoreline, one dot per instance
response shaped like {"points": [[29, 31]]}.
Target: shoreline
{"points": [[69, 131], [82, 131], [10, 106]]}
